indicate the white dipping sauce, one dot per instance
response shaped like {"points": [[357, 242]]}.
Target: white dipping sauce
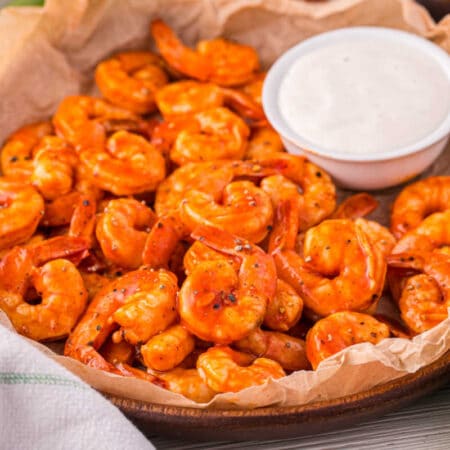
{"points": [[364, 95]]}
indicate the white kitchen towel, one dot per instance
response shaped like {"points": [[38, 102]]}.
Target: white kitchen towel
{"points": [[44, 406]]}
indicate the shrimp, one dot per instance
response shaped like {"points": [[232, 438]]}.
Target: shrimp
{"points": [[167, 349], [340, 269], [285, 309], [129, 165], [98, 322], [214, 134], [162, 241], [303, 181], [263, 142], [130, 80], [122, 231], [119, 353], [59, 211], [254, 87], [219, 61], [216, 303], [417, 201], [433, 234], [223, 370], [340, 330], [210, 176], [286, 350], [21, 209], [186, 382], [199, 252], [53, 167], [17, 154], [425, 297], [189, 97], [355, 206], [80, 120], [148, 312], [244, 210], [59, 308]]}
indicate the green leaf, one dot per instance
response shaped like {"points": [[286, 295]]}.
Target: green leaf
{"points": [[26, 3]]}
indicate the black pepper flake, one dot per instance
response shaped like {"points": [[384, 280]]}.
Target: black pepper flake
{"points": [[119, 273], [349, 241], [411, 258], [232, 298], [162, 286], [13, 158], [216, 306], [327, 247], [201, 238], [318, 174], [269, 227], [98, 327], [288, 345], [159, 225], [90, 343], [86, 203], [374, 296], [115, 290], [256, 265], [373, 334]]}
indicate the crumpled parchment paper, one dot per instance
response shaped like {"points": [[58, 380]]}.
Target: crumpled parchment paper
{"points": [[48, 54]]}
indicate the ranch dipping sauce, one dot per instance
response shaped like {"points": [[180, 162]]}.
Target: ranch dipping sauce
{"points": [[360, 95]]}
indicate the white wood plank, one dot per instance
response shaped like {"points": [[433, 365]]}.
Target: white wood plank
{"points": [[424, 425]]}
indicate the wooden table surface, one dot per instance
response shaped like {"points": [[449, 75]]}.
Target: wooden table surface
{"points": [[425, 425]]}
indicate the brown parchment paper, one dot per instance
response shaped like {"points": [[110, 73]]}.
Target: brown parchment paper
{"points": [[50, 53]]}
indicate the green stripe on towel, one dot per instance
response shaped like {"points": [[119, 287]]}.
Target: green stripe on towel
{"points": [[38, 378]]}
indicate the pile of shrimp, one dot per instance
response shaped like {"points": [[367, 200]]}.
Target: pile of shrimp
{"points": [[163, 231]]}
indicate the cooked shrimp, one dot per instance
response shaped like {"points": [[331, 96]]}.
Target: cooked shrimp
{"points": [[254, 87], [214, 134], [79, 119], [59, 308], [53, 167], [93, 282], [340, 330], [244, 210], [425, 297], [263, 142], [98, 323], [18, 151], [210, 176], [216, 303], [285, 309], [122, 230], [199, 253], [223, 370], [129, 165], [217, 60], [182, 381], [379, 236], [82, 223], [189, 97], [130, 80], [300, 179], [148, 311], [358, 205], [417, 201], [167, 349], [432, 234], [286, 350], [187, 382], [21, 209], [118, 353], [162, 241], [59, 211], [340, 268]]}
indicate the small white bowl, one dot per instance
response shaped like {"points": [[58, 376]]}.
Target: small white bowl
{"points": [[359, 171]]}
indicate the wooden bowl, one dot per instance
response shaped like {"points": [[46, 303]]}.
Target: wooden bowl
{"points": [[284, 422]]}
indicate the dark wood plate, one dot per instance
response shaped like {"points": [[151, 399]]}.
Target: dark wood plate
{"points": [[285, 422]]}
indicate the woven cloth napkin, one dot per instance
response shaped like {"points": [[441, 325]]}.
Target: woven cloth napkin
{"points": [[43, 406]]}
